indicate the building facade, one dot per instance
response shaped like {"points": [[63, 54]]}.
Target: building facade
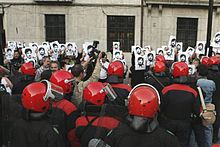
{"points": [[131, 22]]}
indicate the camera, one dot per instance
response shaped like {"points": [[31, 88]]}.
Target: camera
{"points": [[95, 43], [92, 49]]}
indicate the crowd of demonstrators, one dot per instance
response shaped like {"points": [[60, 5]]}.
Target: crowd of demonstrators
{"points": [[82, 100]]}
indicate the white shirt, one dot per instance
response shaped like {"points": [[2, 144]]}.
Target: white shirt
{"points": [[103, 72]]}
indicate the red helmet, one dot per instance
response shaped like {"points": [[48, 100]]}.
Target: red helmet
{"points": [[214, 60], [116, 68], [28, 69], [144, 101], [33, 97], [215, 145], [180, 69], [59, 78], [159, 67], [160, 58], [205, 61], [94, 93]]}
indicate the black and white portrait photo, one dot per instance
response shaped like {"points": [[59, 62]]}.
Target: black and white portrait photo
{"points": [[54, 52], [42, 51], [172, 42], [116, 46], [33, 46], [46, 45], [20, 45], [71, 49], [29, 54], [192, 69], [12, 45], [190, 51], [150, 57], [179, 47], [86, 46], [216, 40], [160, 51], [138, 50], [200, 47], [9, 53], [140, 62], [117, 55], [55, 47], [62, 48], [183, 57], [90, 49], [169, 54]]}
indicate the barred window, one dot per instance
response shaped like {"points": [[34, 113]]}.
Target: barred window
{"points": [[121, 29], [187, 31], [55, 28]]}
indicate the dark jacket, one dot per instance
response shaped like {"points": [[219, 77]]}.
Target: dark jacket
{"points": [[23, 81], [122, 91], [63, 115], [179, 101], [94, 124], [124, 136], [35, 133]]}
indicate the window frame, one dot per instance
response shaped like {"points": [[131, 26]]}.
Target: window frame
{"points": [[187, 29], [56, 32], [121, 29]]}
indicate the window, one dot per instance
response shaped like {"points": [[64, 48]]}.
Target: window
{"points": [[2, 39], [55, 28], [187, 31], [2, 33], [120, 29]]}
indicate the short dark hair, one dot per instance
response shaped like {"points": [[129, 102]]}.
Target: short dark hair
{"points": [[173, 40], [9, 49], [27, 50], [70, 44], [41, 48], [55, 62], [77, 70], [150, 54], [183, 55], [200, 44], [103, 54], [140, 58], [202, 70], [117, 53], [217, 35], [55, 45], [138, 48]]}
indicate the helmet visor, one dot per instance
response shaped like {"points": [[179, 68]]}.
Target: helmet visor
{"points": [[110, 92], [54, 92]]}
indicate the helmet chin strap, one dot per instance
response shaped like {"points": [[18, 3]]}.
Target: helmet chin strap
{"points": [[144, 125]]}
